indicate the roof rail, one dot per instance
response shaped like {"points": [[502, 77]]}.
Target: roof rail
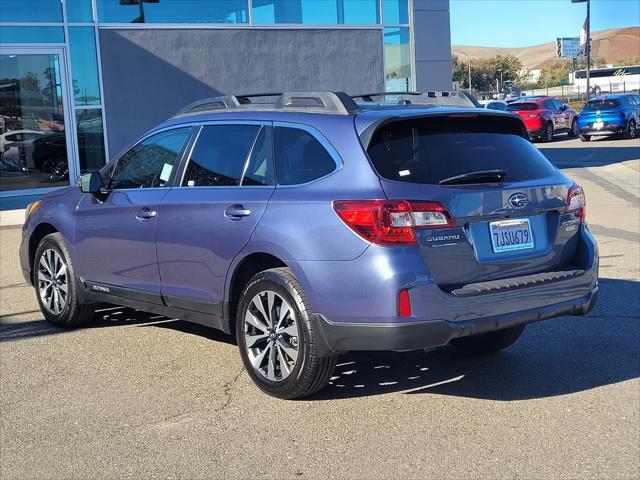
{"points": [[431, 97], [317, 102]]}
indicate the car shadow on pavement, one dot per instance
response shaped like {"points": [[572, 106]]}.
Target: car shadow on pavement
{"points": [[107, 316], [554, 357], [569, 157]]}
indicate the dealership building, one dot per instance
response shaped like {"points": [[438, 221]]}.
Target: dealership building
{"points": [[82, 79]]}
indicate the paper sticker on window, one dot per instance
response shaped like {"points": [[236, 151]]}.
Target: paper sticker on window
{"points": [[166, 172]]}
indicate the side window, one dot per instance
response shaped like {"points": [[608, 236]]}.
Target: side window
{"points": [[151, 162], [548, 104], [220, 154], [300, 157], [257, 172]]}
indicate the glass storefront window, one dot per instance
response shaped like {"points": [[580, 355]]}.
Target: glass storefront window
{"points": [[360, 12], [79, 11], [84, 66], [316, 12], [395, 12], [90, 139], [31, 35], [33, 148], [35, 11], [397, 60], [173, 11]]}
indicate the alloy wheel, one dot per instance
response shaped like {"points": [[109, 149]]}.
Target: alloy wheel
{"points": [[271, 335], [574, 128], [632, 130], [53, 284], [548, 133]]}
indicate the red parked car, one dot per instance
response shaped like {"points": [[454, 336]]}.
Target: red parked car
{"points": [[545, 117]]}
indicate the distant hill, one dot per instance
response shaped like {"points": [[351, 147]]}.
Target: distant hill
{"points": [[609, 44]]}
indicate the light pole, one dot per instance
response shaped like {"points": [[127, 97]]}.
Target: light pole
{"points": [[500, 86], [587, 47], [460, 51]]}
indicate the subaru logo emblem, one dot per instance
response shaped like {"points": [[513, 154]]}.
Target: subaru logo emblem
{"points": [[518, 200]]}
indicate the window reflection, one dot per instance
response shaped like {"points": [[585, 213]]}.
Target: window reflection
{"points": [[395, 12], [316, 12], [397, 60], [84, 66], [33, 152], [173, 11], [79, 11], [31, 34], [90, 139], [35, 11]]}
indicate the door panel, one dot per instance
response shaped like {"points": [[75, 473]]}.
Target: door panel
{"points": [[116, 243], [197, 241], [116, 234], [205, 223]]}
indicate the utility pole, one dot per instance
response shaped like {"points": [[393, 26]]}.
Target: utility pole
{"points": [[588, 48]]}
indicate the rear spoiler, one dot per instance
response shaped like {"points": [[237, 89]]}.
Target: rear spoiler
{"points": [[366, 132]]}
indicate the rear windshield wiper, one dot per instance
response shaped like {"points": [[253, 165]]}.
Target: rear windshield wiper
{"points": [[481, 176]]}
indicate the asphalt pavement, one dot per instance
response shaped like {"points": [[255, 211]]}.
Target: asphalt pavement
{"points": [[141, 396]]}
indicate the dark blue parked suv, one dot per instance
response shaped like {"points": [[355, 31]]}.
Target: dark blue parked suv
{"points": [[317, 224]]}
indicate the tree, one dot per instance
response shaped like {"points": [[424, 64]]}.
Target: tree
{"points": [[485, 71], [30, 82], [620, 62]]}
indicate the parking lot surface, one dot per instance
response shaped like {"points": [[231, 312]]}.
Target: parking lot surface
{"points": [[142, 396]]}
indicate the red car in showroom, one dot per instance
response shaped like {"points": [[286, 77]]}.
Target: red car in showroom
{"points": [[545, 117]]}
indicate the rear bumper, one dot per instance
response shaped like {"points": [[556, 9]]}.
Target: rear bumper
{"points": [[601, 132], [433, 333]]}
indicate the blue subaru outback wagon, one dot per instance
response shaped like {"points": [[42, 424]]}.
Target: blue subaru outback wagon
{"points": [[317, 224]]}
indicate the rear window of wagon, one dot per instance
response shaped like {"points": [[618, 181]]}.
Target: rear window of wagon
{"points": [[429, 149]]}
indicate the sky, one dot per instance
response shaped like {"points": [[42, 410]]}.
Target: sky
{"points": [[520, 23]]}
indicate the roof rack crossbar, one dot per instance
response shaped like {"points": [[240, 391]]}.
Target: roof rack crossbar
{"points": [[430, 97], [322, 102]]}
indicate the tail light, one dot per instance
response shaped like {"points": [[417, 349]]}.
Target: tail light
{"points": [[391, 222], [576, 201], [404, 303], [531, 115]]}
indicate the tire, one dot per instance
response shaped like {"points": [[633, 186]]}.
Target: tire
{"points": [[547, 135], [491, 342], [282, 358], [573, 133], [585, 138], [630, 132], [53, 271]]}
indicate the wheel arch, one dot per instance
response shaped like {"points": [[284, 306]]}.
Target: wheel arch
{"points": [[246, 268], [41, 231]]}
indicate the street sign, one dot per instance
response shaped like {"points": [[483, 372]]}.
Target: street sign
{"points": [[567, 47]]}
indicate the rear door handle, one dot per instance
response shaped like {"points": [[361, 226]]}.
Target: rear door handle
{"points": [[236, 212], [146, 213]]}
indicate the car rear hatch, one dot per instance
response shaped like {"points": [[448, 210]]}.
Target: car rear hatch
{"points": [[601, 110], [507, 204]]}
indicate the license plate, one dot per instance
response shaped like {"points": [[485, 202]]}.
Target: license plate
{"points": [[598, 124], [508, 235]]}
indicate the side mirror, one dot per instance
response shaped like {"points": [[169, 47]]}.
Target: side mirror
{"points": [[91, 182], [564, 107]]}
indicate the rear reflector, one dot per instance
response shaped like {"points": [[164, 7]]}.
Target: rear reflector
{"points": [[576, 201], [404, 303], [390, 222]]}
